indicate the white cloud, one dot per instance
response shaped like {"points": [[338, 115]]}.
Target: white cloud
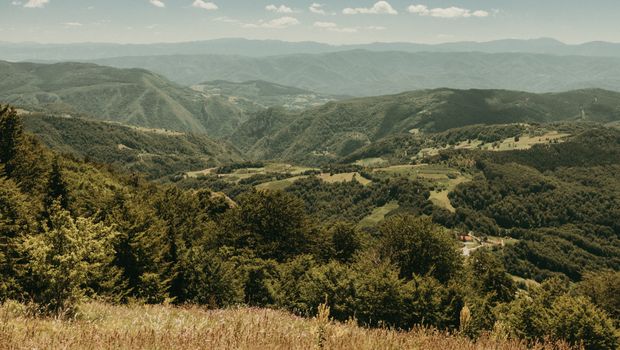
{"points": [[278, 23], [209, 6], [279, 9], [325, 25], [72, 24], [448, 12], [381, 7], [157, 3], [333, 27], [376, 28], [34, 3], [317, 8], [16, 3], [225, 19]]}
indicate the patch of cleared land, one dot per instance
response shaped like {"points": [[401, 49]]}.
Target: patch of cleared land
{"points": [[444, 178], [440, 197], [344, 177], [279, 184], [101, 326], [371, 162], [510, 144], [378, 214], [249, 172]]}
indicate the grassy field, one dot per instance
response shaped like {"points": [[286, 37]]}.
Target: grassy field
{"points": [[524, 142], [101, 326], [378, 214]]}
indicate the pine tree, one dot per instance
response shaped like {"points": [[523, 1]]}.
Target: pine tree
{"points": [[11, 134], [57, 187]]}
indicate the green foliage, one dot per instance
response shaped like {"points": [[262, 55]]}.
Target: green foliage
{"points": [[272, 223], [577, 321], [345, 241], [550, 312], [209, 280], [603, 289], [63, 259], [11, 134], [489, 277], [417, 246]]}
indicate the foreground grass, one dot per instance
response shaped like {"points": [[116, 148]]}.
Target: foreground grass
{"points": [[100, 326]]}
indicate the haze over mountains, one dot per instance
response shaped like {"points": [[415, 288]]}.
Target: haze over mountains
{"points": [[366, 73], [540, 65], [263, 48]]}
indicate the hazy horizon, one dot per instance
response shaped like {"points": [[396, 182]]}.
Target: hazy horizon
{"points": [[329, 21], [310, 41]]}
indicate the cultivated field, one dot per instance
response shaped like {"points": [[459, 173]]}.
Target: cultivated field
{"points": [[100, 326]]}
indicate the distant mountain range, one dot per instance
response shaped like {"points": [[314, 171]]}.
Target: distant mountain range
{"points": [[262, 48], [368, 73]]}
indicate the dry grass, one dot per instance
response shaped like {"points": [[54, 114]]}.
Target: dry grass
{"points": [[101, 326]]}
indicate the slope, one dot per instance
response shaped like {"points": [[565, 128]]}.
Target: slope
{"points": [[131, 96], [155, 152], [338, 129]]}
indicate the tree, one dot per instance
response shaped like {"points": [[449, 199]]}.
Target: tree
{"points": [[15, 221], [603, 289], [139, 249], [417, 246], [61, 261], [57, 187], [11, 133], [272, 223], [345, 241], [489, 277], [209, 280], [577, 321]]}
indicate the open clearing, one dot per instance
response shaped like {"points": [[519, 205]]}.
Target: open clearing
{"points": [[344, 177], [249, 172], [440, 197], [523, 142], [378, 214]]}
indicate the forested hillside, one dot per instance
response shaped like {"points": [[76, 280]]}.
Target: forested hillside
{"points": [[73, 230], [339, 129], [131, 96], [155, 152]]}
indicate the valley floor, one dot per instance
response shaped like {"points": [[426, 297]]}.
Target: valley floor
{"points": [[101, 326]]}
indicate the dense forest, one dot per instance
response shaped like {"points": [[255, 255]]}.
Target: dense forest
{"points": [[72, 229]]}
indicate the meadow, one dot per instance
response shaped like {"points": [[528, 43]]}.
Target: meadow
{"points": [[104, 326]]}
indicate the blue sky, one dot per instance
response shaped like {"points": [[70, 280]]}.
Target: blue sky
{"points": [[331, 21]]}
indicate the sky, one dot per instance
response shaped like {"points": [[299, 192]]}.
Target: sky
{"points": [[328, 21]]}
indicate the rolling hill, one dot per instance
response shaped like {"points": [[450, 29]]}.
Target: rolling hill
{"points": [[155, 152], [338, 129], [130, 96], [369, 73]]}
